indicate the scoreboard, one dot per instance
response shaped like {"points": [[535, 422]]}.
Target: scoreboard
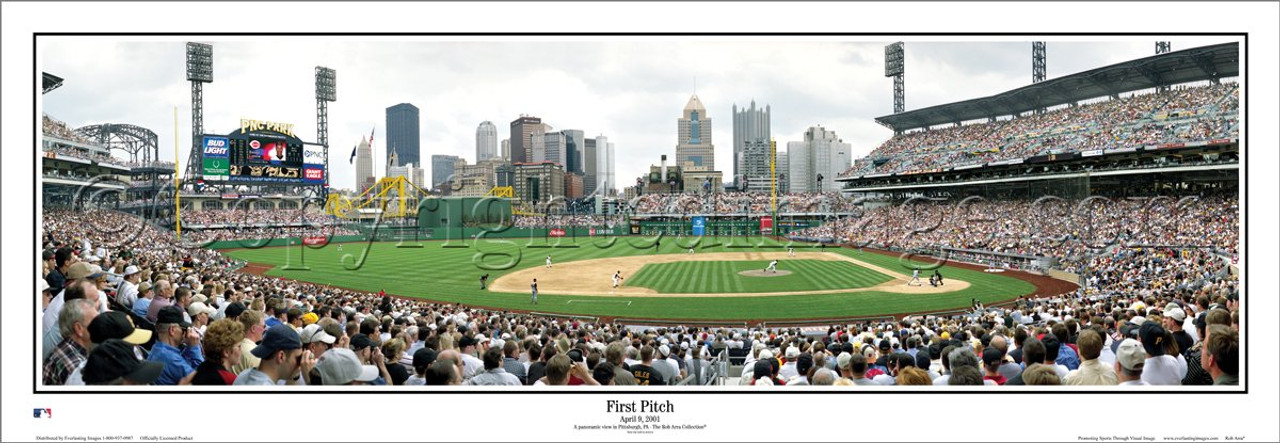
{"points": [[262, 152]]}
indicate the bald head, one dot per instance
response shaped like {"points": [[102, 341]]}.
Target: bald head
{"points": [[999, 342]]}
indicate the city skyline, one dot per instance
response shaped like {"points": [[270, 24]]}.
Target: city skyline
{"points": [[628, 91]]}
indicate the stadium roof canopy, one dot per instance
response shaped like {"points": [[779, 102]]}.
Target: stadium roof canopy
{"points": [[1185, 66], [50, 82]]}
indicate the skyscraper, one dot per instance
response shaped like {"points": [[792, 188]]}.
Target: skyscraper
{"points": [[521, 130], [442, 168], [751, 135], [364, 165], [589, 166], [821, 153], [693, 139], [506, 150], [486, 141], [548, 147], [573, 146], [402, 134]]}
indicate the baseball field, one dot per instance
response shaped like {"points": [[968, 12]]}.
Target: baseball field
{"points": [[723, 281]]}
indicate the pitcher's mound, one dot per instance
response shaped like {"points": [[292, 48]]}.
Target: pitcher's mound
{"points": [[762, 273]]}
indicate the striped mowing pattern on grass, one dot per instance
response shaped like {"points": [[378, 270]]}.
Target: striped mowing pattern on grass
{"points": [[714, 277], [449, 274]]}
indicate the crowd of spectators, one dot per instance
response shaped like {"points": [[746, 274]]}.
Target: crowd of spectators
{"points": [[124, 304], [274, 217], [740, 203], [566, 221], [57, 128], [1183, 114]]}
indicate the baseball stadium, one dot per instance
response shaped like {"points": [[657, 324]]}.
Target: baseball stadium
{"points": [[1068, 217]]}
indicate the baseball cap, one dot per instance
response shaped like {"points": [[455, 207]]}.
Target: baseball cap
{"points": [[766, 354], [884, 344], [144, 287], [198, 308], [234, 310], [117, 325], [171, 314], [467, 341], [361, 341], [279, 337], [792, 352], [1176, 313], [114, 359], [664, 350], [424, 357], [84, 270], [310, 318], [803, 363], [130, 270], [340, 366], [1152, 336], [842, 361], [314, 333], [1131, 355], [46, 255], [42, 285]]}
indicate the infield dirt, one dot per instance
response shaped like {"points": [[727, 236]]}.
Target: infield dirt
{"points": [[595, 277]]}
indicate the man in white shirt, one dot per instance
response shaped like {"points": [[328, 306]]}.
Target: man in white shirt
{"points": [[470, 364], [788, 369], [1130, 359], [129, 287]]}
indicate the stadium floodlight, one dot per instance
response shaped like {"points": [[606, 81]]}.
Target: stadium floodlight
{"points": [[199, 62], [895, 66], [1037, 62], [326, 84], [893, 60]]}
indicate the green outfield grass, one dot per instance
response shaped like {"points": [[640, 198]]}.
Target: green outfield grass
{"points": [[449, 272], [700, 277]]}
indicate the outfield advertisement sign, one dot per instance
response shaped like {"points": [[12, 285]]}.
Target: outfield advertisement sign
{"points": [[603, 231], [766, 225], [699, 226], [557, 232], [216, 159], [315, 240]]}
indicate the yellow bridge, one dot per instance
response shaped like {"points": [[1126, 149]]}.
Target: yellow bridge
{"points": [[397, 197]]}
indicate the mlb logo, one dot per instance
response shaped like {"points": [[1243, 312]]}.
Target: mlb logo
{"points": [[46, 412]]}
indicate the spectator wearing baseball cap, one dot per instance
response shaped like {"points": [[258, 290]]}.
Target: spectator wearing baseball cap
{"points": [[788, 369], [115, 362], [422, 360], [222, 349], [470, 364], [341, 366], [128, 293], [1130, 362], [1160, 368], [143, 300], [1172, 320], [367, 349], [1221, 355], [200, 313], [177, 347], [991, 359], [282, 358]]}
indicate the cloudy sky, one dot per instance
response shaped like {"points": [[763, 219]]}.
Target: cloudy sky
{"points": [[631, 90]]}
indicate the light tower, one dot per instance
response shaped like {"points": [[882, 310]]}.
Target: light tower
{"points": [[1161, 48], [199, 72], [894, 66], [326, 91], [1037, 62]]}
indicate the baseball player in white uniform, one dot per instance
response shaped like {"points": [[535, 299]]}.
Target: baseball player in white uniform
{"points": [[617, 278], [773, 266], [915, 277], [548, 262]]}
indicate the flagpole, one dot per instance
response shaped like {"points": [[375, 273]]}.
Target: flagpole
{"points": [[177, 193]]}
